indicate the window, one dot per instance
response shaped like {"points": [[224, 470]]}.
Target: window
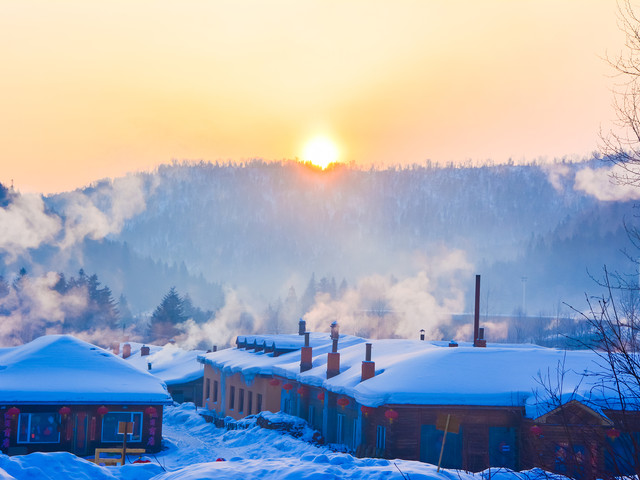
{"points": [[249, 402], [381, 437], [110, 426], [241, 401], [340, 428], [207, 390], [215, 391], [232, 397], [258, 402], [38, 428], [312, 414], [354, 433]]}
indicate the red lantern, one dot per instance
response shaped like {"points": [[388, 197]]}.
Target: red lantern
{"points": [[613, 433], [536, 430], [102, 410], [287, 386], [302, 390], [366, 410], [13, 411], [151, 411], [343, 401], [64, 411], [321, 397], [391, 415], [274, 382]]}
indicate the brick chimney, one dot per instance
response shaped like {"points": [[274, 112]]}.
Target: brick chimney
{"points": [[306, 354], [126, 350], [481, 342], [368, 367], [302, 327], [115, 347], [144, 351], [333, 360]]}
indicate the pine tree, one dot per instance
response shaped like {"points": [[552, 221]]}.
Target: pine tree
{"points": [[167, 316]]}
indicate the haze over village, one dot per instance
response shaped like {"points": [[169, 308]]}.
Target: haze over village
{"points": [[309, 240]]}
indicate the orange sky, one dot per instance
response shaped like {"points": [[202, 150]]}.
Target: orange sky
{"points": [[94, 89]]}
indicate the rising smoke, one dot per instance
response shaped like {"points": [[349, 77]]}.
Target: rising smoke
{"points": [[34, 306], [385, 307]]}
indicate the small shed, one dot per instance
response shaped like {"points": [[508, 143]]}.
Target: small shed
{"points": [[60, 393]]}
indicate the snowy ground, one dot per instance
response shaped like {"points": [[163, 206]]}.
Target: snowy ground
{"points": [[193, 446]]}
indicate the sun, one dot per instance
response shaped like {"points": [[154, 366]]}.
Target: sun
{"points": [[321, 152]]}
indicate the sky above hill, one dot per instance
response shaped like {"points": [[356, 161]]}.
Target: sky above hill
{"points": [[96, 89]]}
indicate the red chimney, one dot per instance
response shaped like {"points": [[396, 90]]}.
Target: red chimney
{"points": [[126, 350], [333, 360], [368, 367], [306, 354], [115, 347]]}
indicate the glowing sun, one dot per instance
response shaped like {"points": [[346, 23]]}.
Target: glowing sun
{"points": [[321, 152]]}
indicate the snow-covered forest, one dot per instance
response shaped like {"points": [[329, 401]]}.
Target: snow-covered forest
{"points": [[273, 241]]}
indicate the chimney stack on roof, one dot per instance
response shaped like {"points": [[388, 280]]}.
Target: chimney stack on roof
{"points": [[368, 367], [481, 342], [335, 330], [115, 347], [144, 351], [306, 354], [422, 334], [333, 357], [126, 350], [302, 327], [476, 314]]}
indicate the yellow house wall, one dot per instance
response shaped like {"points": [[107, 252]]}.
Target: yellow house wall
{"points": [[258, 385]]}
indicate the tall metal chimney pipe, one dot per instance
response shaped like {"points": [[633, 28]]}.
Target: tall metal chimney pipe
{"points": [[476, 315]]}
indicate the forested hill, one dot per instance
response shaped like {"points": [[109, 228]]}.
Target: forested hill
{"points": [[267, 226]]}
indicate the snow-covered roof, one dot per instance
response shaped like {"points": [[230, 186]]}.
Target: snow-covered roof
{"points": [[250, 363], [285, 341], [169, 363], [429, 373], [64, 369]]}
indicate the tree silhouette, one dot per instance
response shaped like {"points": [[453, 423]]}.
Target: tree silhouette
{"points": [[167, 316]]}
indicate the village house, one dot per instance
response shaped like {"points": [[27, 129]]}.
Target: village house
{"points": [[59, 393], [499, 405], [176, 367]]}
